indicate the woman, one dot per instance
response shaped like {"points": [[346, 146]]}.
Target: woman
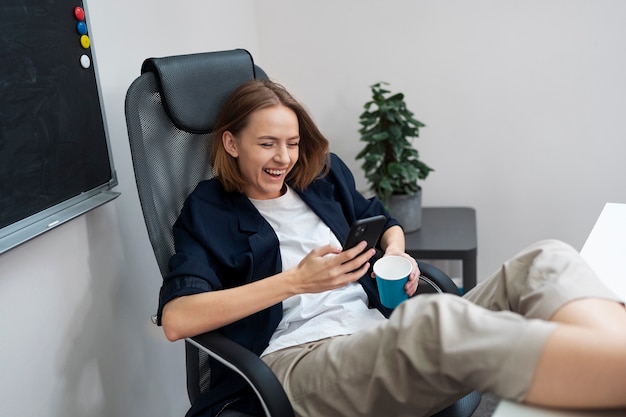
{"points": [[258, 256]]}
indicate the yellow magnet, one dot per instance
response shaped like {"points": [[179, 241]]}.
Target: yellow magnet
{"points": [[84, 41]]}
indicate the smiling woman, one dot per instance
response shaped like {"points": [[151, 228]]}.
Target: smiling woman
{"points": [[266, 150], [283, 123]]}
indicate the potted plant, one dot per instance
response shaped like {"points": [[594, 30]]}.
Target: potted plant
{"points": [[390, 162]]}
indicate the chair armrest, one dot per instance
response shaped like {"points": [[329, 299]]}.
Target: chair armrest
{"points": [[437, 278], [266, 386]]}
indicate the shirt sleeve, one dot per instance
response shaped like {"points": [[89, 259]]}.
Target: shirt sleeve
{"points": [[189, 268]]}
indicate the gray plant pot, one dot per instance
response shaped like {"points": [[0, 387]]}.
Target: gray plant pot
{"points": [[407, 209]]}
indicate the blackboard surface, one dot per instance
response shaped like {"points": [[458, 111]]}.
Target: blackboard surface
{"points": [[53, 140]]}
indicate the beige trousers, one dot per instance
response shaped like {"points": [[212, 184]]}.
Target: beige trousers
{"points": [[435, 349]]}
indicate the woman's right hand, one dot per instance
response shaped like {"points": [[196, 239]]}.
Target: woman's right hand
{"points": [[328, 267], [323, 269]]}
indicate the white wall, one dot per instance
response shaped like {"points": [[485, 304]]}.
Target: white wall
{"points": [[522, 102]]}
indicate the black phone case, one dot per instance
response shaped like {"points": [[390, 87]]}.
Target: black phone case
{"points": [[368, 229]]}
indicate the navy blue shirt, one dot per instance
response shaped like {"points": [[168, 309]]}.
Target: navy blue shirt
{"points": [[222, 241]]}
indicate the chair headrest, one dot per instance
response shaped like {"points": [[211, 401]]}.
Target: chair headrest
{"points": [[194, 87]]}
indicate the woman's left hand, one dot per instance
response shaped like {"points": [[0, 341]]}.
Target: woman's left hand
{"points": [[411, 285]]}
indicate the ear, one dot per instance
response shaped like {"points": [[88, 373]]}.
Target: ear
{"points": [[230, 144]]}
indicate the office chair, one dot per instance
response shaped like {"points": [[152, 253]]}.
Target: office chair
{"points": [[170, 109]]}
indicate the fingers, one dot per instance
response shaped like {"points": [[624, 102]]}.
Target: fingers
{"points": [[356, 274], [354, 258], [319, 272], [326, 250], [354, 251], [411, 286]]}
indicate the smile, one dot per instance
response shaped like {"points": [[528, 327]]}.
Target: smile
{"points": [[275, 172]]}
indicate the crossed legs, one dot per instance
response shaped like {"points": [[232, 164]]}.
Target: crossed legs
{"points": [[554, 337], [583, 363]]}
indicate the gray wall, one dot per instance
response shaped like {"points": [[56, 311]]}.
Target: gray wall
{"points": [[522, 102]]}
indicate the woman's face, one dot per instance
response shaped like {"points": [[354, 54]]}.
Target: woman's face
{"points": [[266, 150]]}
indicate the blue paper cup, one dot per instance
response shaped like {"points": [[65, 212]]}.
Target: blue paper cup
{"points": [[392, 273]]}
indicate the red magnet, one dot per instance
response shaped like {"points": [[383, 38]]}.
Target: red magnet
{"points": [[79, 13]]}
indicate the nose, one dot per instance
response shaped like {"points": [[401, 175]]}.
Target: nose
{"points": [[282, 154]]}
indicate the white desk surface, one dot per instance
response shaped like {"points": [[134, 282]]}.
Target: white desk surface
{"points": [[510, 409], [604, 250]]}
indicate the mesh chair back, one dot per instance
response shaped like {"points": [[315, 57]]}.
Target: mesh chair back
{"points": [[170, 110], [168, 163]]}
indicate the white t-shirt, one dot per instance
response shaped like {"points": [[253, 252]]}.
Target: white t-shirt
{"points": [[310, 317]]}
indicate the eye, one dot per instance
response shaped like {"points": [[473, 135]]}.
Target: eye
{"points": [[267, 145], [294, 144]]}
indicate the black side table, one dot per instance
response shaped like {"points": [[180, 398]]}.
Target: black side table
{"points": [[447, 233]]}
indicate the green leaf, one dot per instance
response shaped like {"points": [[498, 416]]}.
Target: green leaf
{"points": [[390, 162], [380, 136]]}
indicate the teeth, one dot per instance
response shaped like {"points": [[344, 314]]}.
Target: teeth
{"points": [[275, 171]]}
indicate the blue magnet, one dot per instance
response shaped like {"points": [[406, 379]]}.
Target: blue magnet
{"points": [[81, 27]]}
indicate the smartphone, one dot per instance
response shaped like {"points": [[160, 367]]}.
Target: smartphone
{"points": [[368, 229]]}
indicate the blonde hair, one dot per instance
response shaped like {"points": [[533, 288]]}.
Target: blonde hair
{"points": [[313, 159]]}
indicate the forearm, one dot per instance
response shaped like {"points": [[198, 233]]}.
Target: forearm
{"points": [[191, 315], [392, 241], [199, 313]]}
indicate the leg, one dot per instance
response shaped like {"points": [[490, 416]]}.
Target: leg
{"points": [[584, 362], [540, 280], [433, 350]]}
